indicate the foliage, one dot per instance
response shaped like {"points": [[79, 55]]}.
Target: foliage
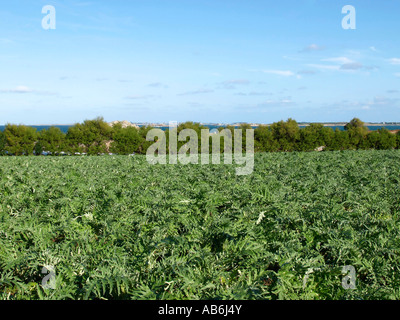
{"points": [[313, 136], [286, 134], [38, 148], [52, 139], [381, 139], [125, 140], [264, 140], [2, 143], [120, 228], [90, 136], [20, 140], [97, 137]]}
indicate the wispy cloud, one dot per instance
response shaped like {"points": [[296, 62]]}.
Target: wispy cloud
{"points": [[190, 93], [340, 64], [140, 97], [395, 61], [236, 82], [312, 47], [253, 93], [340, 60], [381, 101], [324, 66], [157, 85], [351, 66], [27, 90], [283, 102], [306, 72], [232, 84], [18, 89], [284, 73], [377, 102]]}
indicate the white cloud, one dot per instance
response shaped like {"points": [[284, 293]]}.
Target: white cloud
{"points": [[313, 47], [376, 103], [140, 97], [231, 84], [395, 61], [324, 67], [307, 72], [279, 103], [351, 66], [201, 91], [157, 85], [235, 82], [18, 89], [340, 60], [253, 93], [342, 64], [285, 73]]}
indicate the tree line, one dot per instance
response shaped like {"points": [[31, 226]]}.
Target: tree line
{"points": [[96, 136]]}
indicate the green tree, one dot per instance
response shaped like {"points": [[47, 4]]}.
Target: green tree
{"points": [[125, 140], [197, 127], [357, 133], [311, 137], [144, 144], [339, 141], [398, 140], [264, 140], [2, 143], [386, 140], [355, 123], [372, 140], [286, 134], [90, 137], [52, 139], [20, 139], [38, 148]]}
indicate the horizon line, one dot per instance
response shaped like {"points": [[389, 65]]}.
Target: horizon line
{"points": [[213, 123]]}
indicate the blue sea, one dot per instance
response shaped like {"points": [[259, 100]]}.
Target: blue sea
{"points": [[64, 128]]}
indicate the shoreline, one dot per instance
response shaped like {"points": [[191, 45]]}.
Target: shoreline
{"points": [[301, 124]]}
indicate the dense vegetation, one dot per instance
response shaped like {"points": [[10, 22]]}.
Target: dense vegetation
{"points": [[120, 228], [96, 136]]}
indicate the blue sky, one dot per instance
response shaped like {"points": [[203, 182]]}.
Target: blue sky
{"points": [[205, 61]]}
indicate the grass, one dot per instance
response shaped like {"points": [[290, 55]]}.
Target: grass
{"points": [[120, 228]]}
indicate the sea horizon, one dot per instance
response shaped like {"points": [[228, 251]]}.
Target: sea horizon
{"points": [[164, 126]]}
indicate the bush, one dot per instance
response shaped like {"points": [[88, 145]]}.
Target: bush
{"points": [[20, 140]]}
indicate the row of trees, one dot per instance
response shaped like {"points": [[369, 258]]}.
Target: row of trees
{"points": [[96, 136], [91, 137], [287, 136]]}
